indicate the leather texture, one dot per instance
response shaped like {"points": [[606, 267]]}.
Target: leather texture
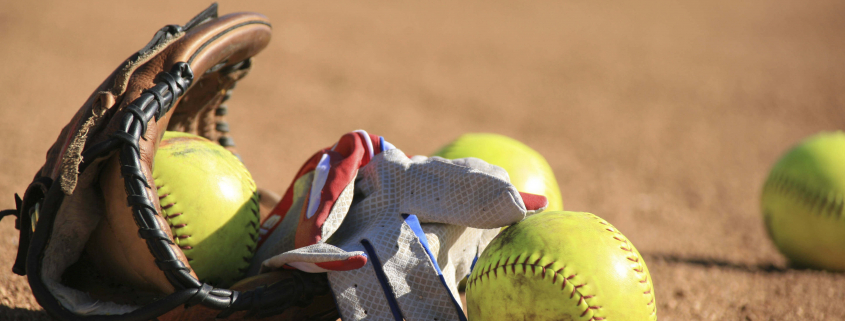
{"points": [[101, 164], [230, 49], [203, 189], [322, 307]]}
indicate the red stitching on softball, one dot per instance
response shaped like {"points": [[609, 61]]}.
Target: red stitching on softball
{"points": [[588, 309], [254, 224], [821, 203], [172, 216], [167, 218], [544, 270], [640, 269], [581, 298], [575, 288]]}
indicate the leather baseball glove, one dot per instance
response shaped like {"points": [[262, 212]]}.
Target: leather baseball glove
{"points": [[101, 164]]}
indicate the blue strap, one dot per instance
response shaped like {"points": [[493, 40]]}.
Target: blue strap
{"points": [[414, 223], [382, 278], [472, 267], [384, 144]]}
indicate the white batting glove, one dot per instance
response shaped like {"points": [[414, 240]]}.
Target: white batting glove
{"points": [[395, 234]]}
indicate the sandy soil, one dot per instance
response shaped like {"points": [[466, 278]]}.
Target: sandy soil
{"points": [[661, 117]]}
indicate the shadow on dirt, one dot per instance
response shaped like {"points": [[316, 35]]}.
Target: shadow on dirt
{"points": [[8, 314], [710, 262]]}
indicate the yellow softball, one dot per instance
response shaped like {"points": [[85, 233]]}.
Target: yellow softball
{"points": [[561, 266], [209, 199], [528, 170], [803, 201]]}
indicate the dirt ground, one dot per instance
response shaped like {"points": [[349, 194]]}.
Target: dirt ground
{"points": [[663, 117]]}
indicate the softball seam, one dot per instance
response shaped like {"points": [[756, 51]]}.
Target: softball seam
{"points": [[822, 204], [254, 224], [253, 237], [168, 216], [639, 269], [582, 298]]}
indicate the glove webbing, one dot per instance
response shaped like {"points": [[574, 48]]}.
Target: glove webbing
{"points": [[156, 102], [264, 301], [153, 102]]}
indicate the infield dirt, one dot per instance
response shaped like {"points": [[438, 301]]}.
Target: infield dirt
{"points": [[662, 117]]}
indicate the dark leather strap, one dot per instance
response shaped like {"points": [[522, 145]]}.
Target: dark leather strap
{"points": [[153, 103], [24, 209], [4, 213]]}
